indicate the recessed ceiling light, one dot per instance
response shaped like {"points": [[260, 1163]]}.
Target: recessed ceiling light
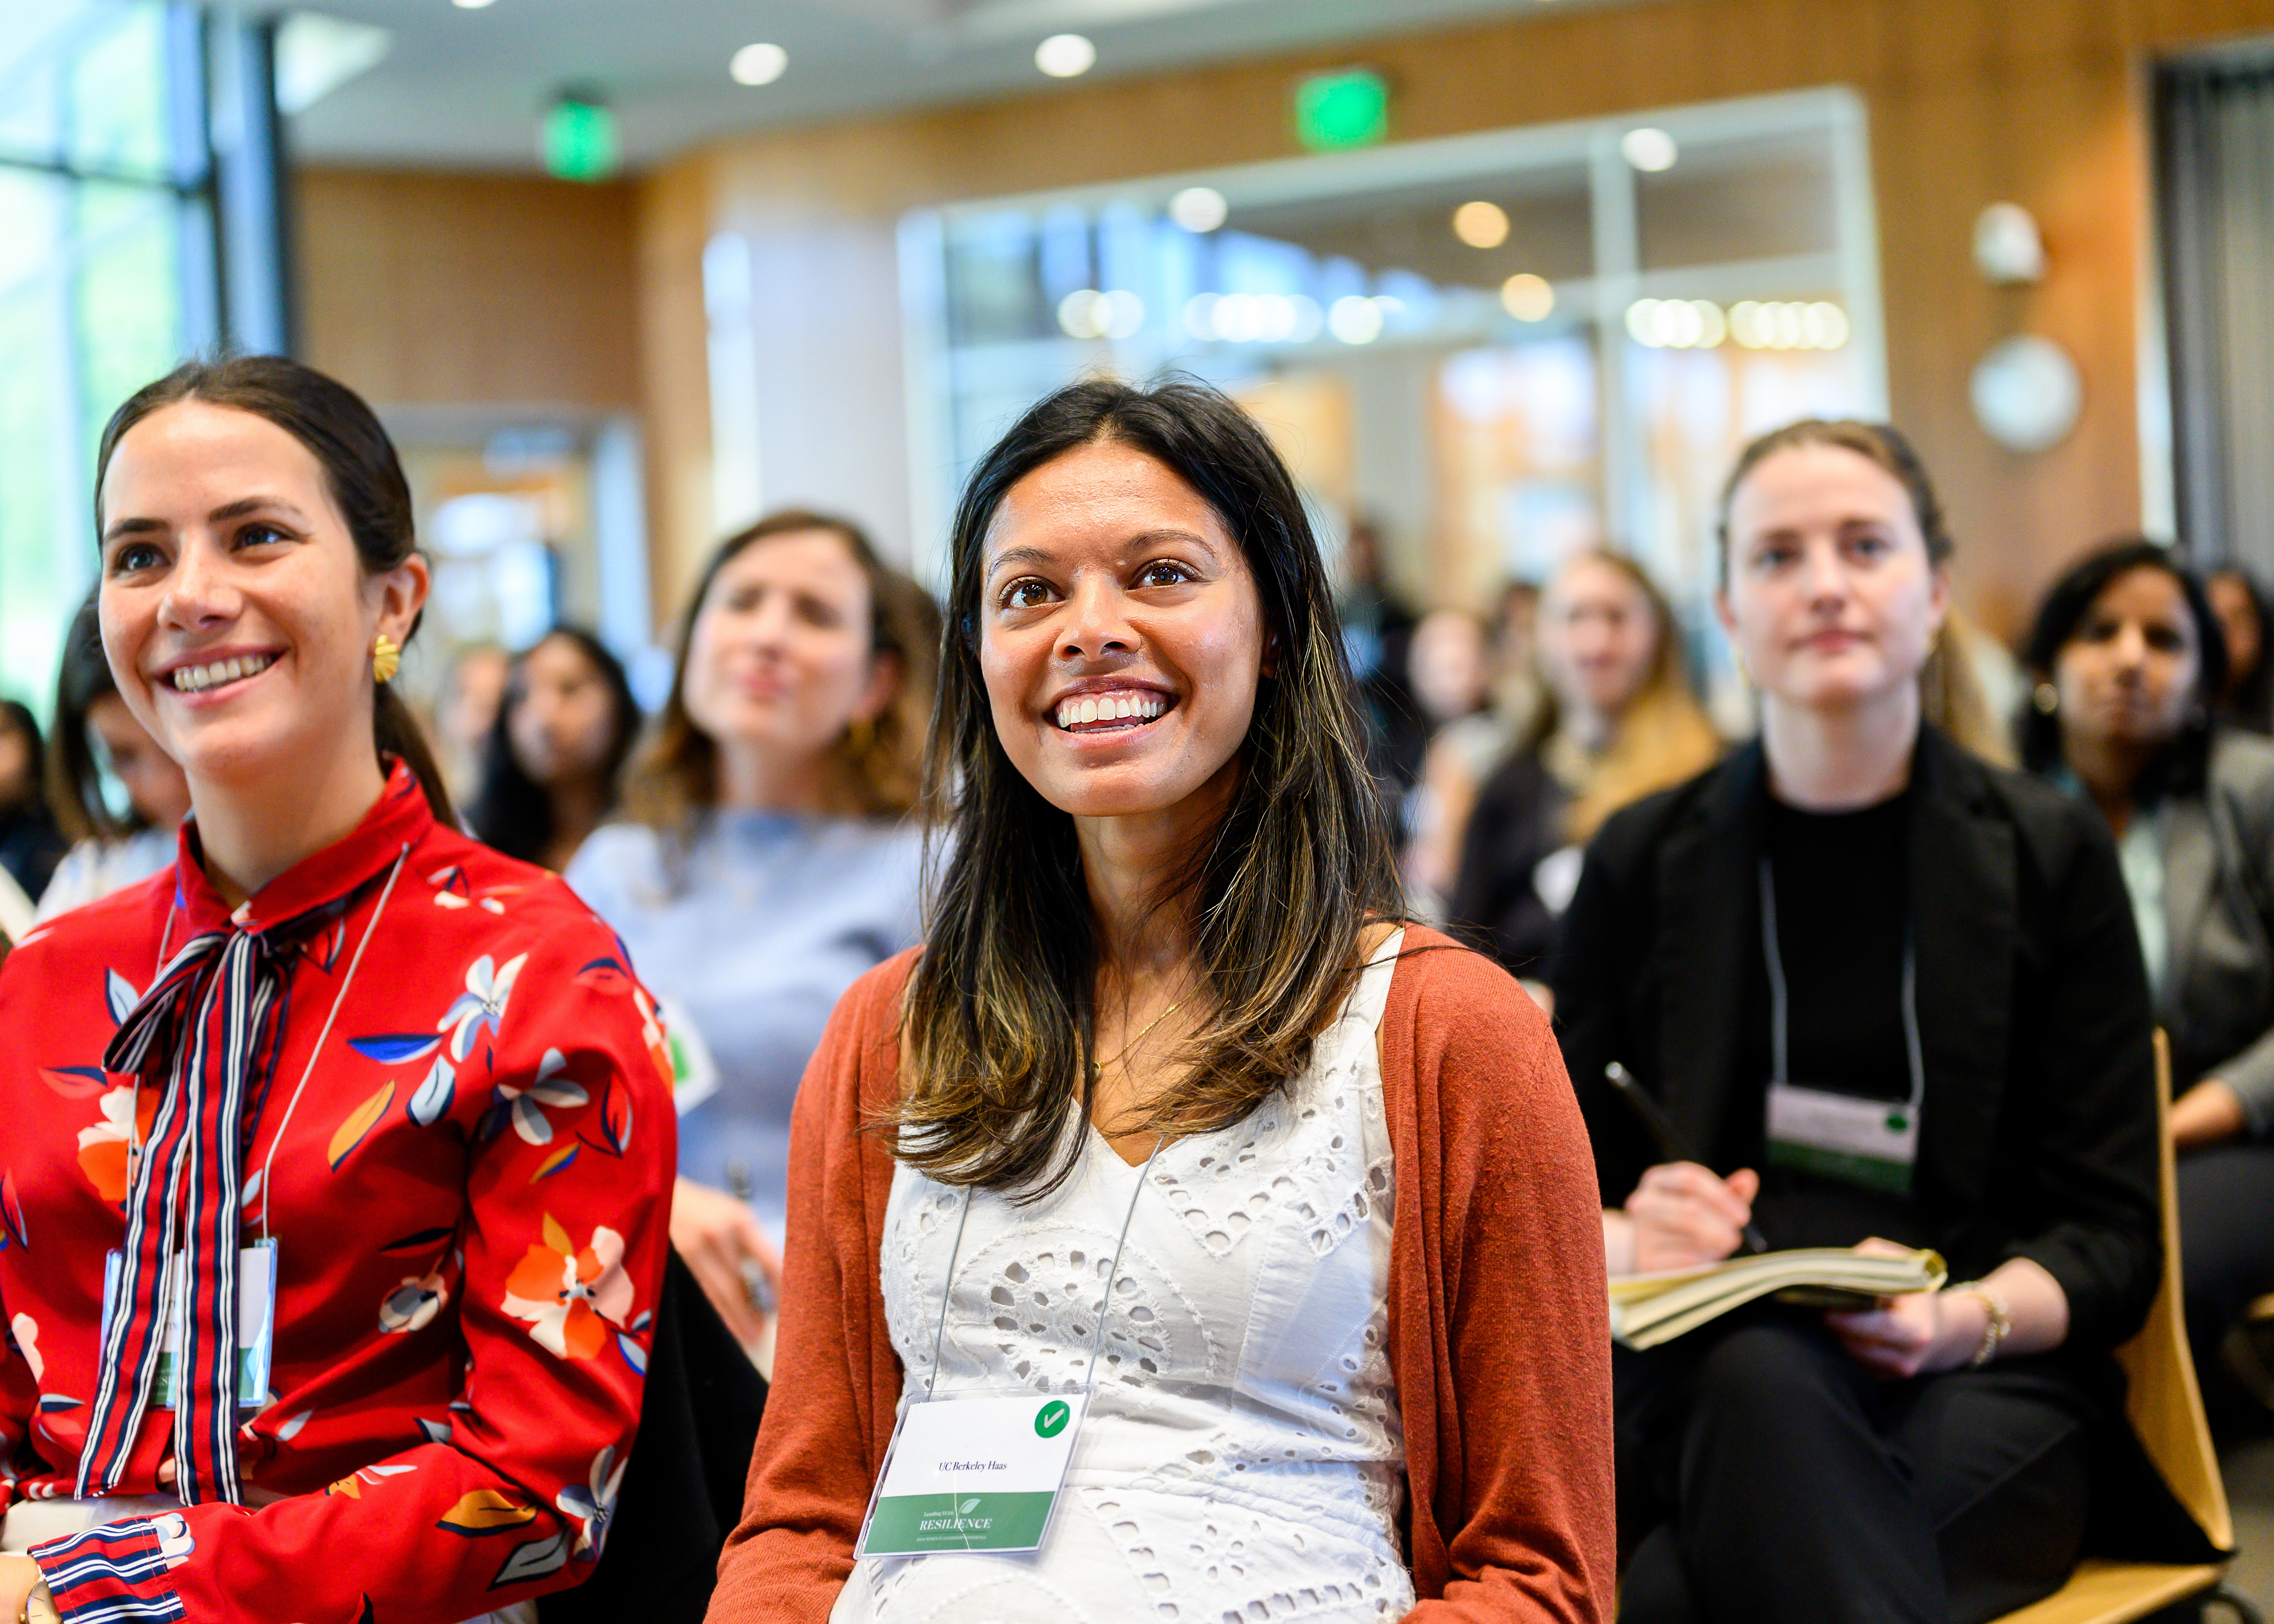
{"points": [[1198, 208], [1480, 224], [755, 64], [1066, 56], [1649, 150], [470, 5], [1528, 297]]}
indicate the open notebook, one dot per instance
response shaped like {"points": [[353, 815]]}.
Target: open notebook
{"points": [[1650, 1309]]}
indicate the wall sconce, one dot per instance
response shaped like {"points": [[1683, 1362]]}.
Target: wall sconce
{"points": [[2009, 249]]}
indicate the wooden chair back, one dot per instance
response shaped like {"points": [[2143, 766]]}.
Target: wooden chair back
{"points": [[2165, 1405], [2166, 1412]]}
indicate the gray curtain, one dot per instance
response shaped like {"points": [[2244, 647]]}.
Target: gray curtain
{"points": [[2216, 204]]}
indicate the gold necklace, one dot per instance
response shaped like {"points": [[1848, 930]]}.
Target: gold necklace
{"points": [[1100, 1065]]}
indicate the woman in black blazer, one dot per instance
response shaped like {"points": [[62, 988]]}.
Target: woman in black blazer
{"points": [[2129, 657], [1880, 991]]}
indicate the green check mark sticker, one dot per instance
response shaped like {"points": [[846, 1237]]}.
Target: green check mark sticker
{"points": [[1051, 1419]]}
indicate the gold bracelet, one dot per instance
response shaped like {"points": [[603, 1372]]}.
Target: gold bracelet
{"points": [[2001, 1320]]}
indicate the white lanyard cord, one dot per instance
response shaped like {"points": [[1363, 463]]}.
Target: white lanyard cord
{"points": [[1780, 1001], [940, 1337], [1104, 1306], [316, 1053]]}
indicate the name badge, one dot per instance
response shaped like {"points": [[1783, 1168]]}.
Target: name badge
{"points": [[972, 1474], [256, 1321], [1873, 1143]]}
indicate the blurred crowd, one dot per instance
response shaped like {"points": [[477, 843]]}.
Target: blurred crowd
{"points": [[1546, 767]]}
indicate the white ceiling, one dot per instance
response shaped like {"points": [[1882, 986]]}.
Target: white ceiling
{"points": [[464, 89]]}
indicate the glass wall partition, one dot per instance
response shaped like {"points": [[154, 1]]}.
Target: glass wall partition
{"points": [[1499, 347], [107, 276]]}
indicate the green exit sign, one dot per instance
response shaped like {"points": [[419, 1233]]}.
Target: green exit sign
{"points": [[1339, 111], [580, 140]]}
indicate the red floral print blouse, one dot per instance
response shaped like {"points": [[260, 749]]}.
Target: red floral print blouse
{"points": [[460, 1136]]}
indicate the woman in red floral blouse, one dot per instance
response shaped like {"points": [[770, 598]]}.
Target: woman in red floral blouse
{"points": [[392, 1104]]}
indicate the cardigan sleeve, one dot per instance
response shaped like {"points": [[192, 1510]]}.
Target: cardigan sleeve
{"points": [[1523, 1496], [554, 1272], [816, 1455], [2250, 1075]]}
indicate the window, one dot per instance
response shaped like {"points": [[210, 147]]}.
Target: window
{"points": [[106, 276], [1501, 347]]}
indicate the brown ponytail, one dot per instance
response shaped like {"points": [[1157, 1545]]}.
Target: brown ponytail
{"points": [[360, 468], [1951, 697], [399, 734]]}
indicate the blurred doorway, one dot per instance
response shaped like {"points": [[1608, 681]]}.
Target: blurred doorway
{"points": [[529, 519], [2215, 199]]}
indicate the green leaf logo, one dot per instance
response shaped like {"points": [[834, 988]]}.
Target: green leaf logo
{"points": [[1052, 1419], [968, 1507]]}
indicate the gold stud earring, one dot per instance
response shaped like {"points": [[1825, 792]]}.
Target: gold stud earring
{"points": [[2047, 697], [386, 659]]}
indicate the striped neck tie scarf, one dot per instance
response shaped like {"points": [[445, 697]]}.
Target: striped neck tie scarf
{"points": [[213, 1009]]}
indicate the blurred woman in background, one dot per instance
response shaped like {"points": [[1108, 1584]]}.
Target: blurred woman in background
{"points": [[95, 729], [767, 858], [2128, 654], [2246, 697], [1450, 666], [474, 688], [1617, 722], [30, 844], [554, 757]]}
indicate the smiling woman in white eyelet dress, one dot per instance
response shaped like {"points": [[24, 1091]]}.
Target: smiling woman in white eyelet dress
{"points": [[1244, 1448], [1170, 1110]]}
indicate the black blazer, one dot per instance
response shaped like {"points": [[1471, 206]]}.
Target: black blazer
{"points": [[2037, 1136], [1516, 822]]}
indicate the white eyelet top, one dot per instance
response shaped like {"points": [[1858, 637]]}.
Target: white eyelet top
{"points": [[1243, 1458]]}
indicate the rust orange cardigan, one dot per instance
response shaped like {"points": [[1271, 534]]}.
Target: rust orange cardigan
{"points": [[1498, 1328]]}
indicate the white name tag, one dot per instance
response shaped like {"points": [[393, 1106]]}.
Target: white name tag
{"points": [[1873, 1143], [982, 1473], [256, 1321]]}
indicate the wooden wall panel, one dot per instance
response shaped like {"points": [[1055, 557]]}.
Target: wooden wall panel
{"points": [[674, 221], [485, 290]]}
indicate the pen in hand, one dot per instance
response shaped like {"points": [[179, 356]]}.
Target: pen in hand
{"points": [[755, 1288], [1663, 1134]]}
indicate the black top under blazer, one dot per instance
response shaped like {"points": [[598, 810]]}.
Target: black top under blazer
{"points": [[2038, 1135]]}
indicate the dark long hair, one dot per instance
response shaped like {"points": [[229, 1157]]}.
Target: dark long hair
{"points": [[2180, 769], [74, 779], [16, 718], [879, 769], [999, 1010], [2251, 704], [512, 812], [361, 471]]}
